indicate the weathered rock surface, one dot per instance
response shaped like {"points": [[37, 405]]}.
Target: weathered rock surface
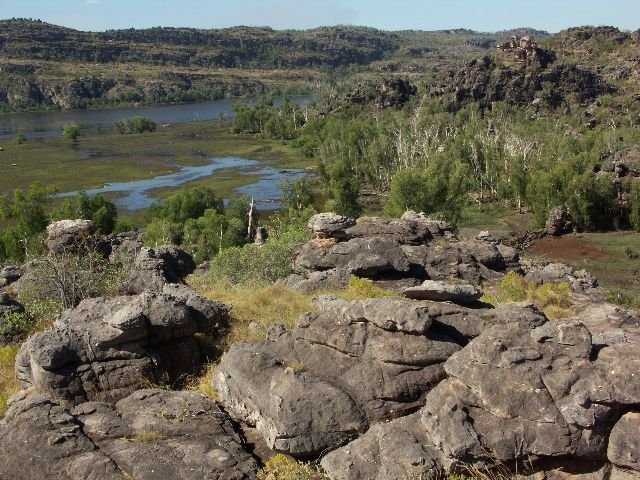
{"points": [[559, 221], [624, 443], [396, 254], [105, 348], [9, 274], [523, 392], [41, 439], [394, 450], [148, 435], [9, 305], [154, 268], [124, 247], [383, 356], [462, 293], [330, 225], [64, 235], [579, 280]]}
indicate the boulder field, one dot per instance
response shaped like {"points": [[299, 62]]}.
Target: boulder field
{"points": [[407, 386]]}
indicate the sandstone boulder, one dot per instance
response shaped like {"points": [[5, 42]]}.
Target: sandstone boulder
{"points": [[394, 450], [65, 235], [559, 221], [105, 348], [9, 274], [154, 268], [523, 392], [579, 280], [461, 293], [624, 443], [330, 225], [384, 357]]}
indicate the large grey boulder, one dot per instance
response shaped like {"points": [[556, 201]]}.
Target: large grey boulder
{"points": [[461, 293], [153, 268], [360, 256], [105, 348], [624, 443], [384, 356], [65, 235], [330, 225], [148, 435], [393, 450], [559, 221], [438, 228], [41, 439], [521, 391]]}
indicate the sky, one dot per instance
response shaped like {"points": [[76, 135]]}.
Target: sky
{"points": [[480, 15]]}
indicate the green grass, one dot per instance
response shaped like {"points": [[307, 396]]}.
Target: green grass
{"points": [[498, 219]]}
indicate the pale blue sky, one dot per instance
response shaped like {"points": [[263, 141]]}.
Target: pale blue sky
{"points": [[482, 15]]}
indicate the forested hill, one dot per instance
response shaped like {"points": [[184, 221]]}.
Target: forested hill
{"points": [[48, 66]]}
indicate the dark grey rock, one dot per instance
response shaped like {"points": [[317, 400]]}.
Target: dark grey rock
{"points": [[9, 274], [401, 231], [624, 443], [579, 280], [394, 450], [154, 268], [148, 435], [383, 358], [559, 221], [520, 392]]}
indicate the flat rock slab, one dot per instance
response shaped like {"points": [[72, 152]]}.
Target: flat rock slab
{"points": [[462, 293]]}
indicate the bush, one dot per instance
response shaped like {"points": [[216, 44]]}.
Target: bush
{"points": [[71, 131], [137, 124], [252, 264], [8, 382], [96, 208]]}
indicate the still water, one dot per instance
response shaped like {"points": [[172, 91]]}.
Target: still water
{"points": [[266, 191], [49, 124]]}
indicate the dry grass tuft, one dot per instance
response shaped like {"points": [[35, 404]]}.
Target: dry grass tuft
{"points": [[554, 299], [146, 436], [9, 385], [281, 467]]}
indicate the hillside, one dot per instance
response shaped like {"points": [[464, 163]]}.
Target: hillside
{"points": [[48, 66]]}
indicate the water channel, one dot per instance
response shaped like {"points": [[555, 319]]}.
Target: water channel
{"points": [[138, 194]]}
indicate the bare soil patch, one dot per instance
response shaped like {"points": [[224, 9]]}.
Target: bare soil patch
{"points": [[568, 247]]}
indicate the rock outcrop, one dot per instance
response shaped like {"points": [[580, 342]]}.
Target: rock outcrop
{"points": [[461, 293], [106, 348], [148, 435], [395, 254], [153, 268], [559, 221], [65, 235], [385, 356]]}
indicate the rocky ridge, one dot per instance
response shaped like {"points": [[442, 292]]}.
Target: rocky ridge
{"points": [[383, 388]]}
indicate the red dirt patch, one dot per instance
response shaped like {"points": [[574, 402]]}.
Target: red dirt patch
{"points": [[567, 247]]}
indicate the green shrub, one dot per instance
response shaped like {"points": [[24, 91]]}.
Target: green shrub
{"points": [[137, 124]]}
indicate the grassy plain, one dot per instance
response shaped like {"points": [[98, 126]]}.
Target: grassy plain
{"points": [[108, 157]]}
